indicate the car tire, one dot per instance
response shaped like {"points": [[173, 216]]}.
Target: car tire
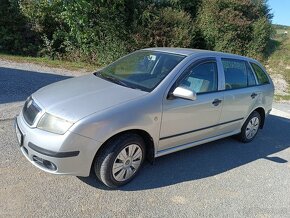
{"points": [[120, 160], [250, 128]]}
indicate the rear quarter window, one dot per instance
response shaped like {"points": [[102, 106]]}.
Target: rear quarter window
{"points": [[260, 74]]}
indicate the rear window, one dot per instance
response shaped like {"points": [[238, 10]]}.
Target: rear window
{"points": [[238, 74], [260, 74]]}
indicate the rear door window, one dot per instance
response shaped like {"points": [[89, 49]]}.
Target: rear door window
{"points": [[260, 74], [238, 74]]}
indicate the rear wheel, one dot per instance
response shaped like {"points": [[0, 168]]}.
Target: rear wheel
{"points": [[250, 128], [120, 160]]}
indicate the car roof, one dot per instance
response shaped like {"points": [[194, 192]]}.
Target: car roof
{"points": [[190, 52]]}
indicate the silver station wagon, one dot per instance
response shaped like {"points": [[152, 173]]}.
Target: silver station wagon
{"points": [[149, 103]]}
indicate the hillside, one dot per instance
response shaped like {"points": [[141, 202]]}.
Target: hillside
{"points": [[278, 64]]}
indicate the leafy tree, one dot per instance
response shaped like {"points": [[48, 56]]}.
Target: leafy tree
{"points": [[236, 26], [189, 6], [15, 34], [164, 27], [100, 31]]}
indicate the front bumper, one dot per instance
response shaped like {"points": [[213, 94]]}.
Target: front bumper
{"points": [[68, 154]]}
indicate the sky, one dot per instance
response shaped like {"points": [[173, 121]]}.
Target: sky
{"points": [[281, 11]]}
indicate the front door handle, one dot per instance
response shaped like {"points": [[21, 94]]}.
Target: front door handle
{"points": [[254, 95], [216, 102]]}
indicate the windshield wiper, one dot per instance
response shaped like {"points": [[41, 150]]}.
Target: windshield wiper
{"points": [[112, 79]]}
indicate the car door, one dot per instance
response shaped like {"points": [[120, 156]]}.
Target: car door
{"points": [[185, 121], [240, 94]]}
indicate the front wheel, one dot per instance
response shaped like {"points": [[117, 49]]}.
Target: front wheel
{"points": [[120, 160], [250, 128]]}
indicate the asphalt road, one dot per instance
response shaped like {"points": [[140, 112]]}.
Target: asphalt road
{"points": [[220, 179]]}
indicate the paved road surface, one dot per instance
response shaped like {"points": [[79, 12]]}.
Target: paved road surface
{"points": [[283, 107], [223, 178]]}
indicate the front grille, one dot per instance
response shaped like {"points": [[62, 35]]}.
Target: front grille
{"points": [[30, 111]]}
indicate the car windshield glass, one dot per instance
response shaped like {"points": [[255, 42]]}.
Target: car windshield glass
{"points": [[142, 70]]}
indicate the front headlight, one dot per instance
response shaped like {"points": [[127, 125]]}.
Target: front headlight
{"points": [[53, 124]]}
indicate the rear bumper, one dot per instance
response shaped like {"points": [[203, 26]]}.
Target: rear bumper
{"points": [[70, 154]]}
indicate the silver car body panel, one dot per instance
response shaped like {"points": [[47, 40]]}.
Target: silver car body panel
{"points": [[101, 109], [75, 98], [79, 165]]}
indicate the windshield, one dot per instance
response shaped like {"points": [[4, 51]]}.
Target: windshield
{"points": [[142, 70]]}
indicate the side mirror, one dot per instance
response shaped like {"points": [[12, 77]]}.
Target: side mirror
{"points": [[181, 92]]}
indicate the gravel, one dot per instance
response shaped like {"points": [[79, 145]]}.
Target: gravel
{"points": [[40, 68], [281, 85]]}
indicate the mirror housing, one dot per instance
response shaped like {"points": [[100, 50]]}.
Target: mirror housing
{"points": [[181, 92]]}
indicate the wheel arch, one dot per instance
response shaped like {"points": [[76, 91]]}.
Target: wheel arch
{"points": [[150, 148], [262, 113]]}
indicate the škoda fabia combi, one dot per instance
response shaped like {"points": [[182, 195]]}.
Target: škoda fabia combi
{"points": [[147, 104]]}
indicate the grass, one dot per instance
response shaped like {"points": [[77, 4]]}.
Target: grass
{"points": [[282, 97], [43, 61], [279, 60]]}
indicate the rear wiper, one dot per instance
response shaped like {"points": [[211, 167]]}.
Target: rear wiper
{"points": [[111, 78]]}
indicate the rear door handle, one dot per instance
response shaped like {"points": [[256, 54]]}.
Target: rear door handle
{"points": [[216, 102], [254, 95]]}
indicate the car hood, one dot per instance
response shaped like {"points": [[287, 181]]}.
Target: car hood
{"points": [[75, 98]]}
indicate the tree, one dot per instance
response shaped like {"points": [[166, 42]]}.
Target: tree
{"points": [[235, 26], [164, 27], [101, 31], [16, 36]]}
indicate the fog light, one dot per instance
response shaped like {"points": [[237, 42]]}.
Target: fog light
{"points": [[45, 163], [49, 165]]}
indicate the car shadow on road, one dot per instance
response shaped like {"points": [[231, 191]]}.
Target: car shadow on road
{"points": [[210, 159], [17, 85]]}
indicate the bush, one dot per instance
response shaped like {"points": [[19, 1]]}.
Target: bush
{"points": [[79, 30], [101, 31], [235, 26], [164, 27], [16, 36], [261, 39]]}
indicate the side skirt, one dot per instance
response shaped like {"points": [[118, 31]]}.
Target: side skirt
{"points": [[192, 144]]}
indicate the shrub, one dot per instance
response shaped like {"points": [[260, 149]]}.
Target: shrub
{"points": [[16, 36], [236, 26], [101, 31], [164, 27]]}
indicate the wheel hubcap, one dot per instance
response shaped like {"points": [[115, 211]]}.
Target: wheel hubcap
{"points": [[127, 162], [252, 127]]}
